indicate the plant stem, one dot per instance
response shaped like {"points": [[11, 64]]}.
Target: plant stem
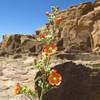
{"points": [[41, 94]]}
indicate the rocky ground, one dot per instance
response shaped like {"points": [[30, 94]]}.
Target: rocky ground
{"points": [[22, 70], [15, 70]]}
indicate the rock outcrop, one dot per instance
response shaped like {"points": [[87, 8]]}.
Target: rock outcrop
{"points": [[81, 27], [19, 43]]}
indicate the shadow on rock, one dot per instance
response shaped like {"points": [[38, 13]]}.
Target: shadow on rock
{"points": [[79, 83]]}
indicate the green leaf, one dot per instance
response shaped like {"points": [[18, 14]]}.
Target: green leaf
{"points": [[54, 9]]}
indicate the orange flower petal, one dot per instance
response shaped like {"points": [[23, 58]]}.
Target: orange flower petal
{"points": [[49, 49], [42, 35], [58, 20], [54, 78], [17, 89]]}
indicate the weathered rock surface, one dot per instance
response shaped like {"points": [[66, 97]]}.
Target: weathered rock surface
{"points": [[81, 27]]}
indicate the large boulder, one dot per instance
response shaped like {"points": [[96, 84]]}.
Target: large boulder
{"points": [[81, 27], [78, 83], [81, 30]]}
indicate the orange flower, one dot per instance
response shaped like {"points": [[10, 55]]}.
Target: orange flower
{"points": [[49, 49], [54, 78], [42, 35], [58, 20], [17, 89]]}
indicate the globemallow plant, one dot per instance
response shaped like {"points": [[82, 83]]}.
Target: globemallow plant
{"points": [[49, 78]]}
